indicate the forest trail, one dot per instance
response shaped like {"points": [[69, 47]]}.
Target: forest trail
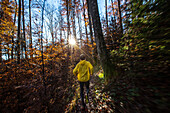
{"points": [[98, 101]]}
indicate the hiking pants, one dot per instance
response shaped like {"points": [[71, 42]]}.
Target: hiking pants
{"points": [[82, 90]]}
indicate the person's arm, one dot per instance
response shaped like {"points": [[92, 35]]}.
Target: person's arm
{"points": [[75, 70], [91, 68]]}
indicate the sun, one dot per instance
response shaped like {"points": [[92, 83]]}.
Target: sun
{"points": [[72, 41]]}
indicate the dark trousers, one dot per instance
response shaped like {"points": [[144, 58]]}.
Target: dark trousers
{"points": [[82, 90]]}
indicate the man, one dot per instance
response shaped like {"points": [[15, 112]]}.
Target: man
{"points": [[83, 70]]}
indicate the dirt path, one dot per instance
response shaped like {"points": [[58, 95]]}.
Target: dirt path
{"points": [[98, 101]]}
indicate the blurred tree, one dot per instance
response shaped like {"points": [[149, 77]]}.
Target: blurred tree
{"points": [[85, 22], [106, 15], [24, 37], [90, 23], [13, 31], [18, 34], [79, 21], [30, 33], [120, 19], [74, 20], [6, 27], [101, 47]]}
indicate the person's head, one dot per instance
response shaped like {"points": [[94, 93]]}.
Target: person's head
{"points": [[82, 57]]}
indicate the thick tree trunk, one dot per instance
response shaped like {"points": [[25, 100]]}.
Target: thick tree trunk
{"points": [[30, 43], [18, 34], [90, 23], [101, 46]]}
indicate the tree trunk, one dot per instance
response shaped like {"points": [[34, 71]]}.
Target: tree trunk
{"points": [[24, 28], [42, 56], [120, 18], [87, 39], [68, 23], [12, 50], [52, 31], [61, 27], [74, 28], [113, 19], [68, 30], [101, 46], [79, 24], [90, 25], [18, 34], [8, 52], [106, 15], [30, 43]]}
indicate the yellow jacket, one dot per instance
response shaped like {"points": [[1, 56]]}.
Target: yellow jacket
{"points": [[82, 71]]}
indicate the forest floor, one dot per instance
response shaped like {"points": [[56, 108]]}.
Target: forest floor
{"points": [[98, 101], [140, 94], [140, 91]]}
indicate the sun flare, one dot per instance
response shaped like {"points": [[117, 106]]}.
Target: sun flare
{"points": [[72, 41]]}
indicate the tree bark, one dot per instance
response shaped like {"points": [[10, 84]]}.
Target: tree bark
{"points": [[79, 24], [68, 30], [18, 34], [113, 19], [106, 15], [42, 56], [30, 43], [52, 31], [12, 49], [101, 46], [61, 27], [23, 17], [74, 28], [8, 52], [87, 39], [68, 22], [120, 18], [90, 24]]}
